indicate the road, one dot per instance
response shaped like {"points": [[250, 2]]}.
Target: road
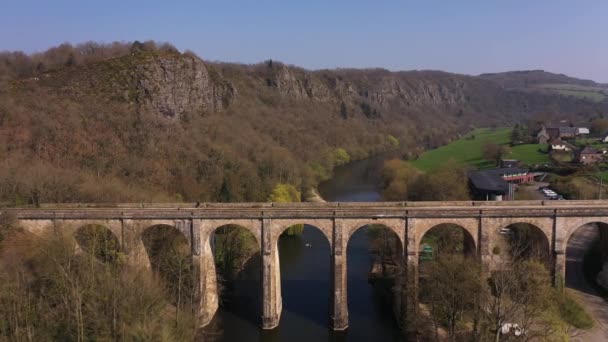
{"points": [[577, 284]]}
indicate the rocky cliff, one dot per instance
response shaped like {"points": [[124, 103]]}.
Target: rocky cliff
{"points": [[171, 123]]}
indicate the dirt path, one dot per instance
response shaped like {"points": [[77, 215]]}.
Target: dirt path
{"points": [[577, 284]]}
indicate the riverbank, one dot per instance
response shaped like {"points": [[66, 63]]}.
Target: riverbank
{"points": [[314, 196]]}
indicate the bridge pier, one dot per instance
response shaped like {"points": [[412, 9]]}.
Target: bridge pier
{"points": [[204, 272], [409, 316], [272, 303], [132, 244], [339, 300]]}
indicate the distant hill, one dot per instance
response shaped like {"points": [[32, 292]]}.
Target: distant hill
{"points": [[545, 82], [143, 122]]}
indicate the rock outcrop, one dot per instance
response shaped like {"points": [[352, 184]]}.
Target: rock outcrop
{"points": [[173, 86]]}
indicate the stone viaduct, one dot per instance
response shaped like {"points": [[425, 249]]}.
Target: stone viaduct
{"points": [[482, 222]]}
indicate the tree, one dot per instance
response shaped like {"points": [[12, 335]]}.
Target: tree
{"points": [[341, 156], [396, 176], [50, 290], [287, 193], [453, 282], [519, 134], [447, 183], [494, 152], [521, 294], [599, 126]]}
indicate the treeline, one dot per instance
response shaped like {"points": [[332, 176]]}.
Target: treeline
{"points": [[14, 65], [402, 181], [50, 289], [515, 302]]}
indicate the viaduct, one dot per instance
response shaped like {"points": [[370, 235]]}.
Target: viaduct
{"points": [[482, 222]]}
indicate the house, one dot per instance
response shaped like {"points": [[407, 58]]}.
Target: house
{"points": [[506, 163], [582, 130], [558, 144], [589, 155], [565, 132], [494, 184], [568, 132], [542, 136]]}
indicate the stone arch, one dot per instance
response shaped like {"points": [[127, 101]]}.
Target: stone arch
{"points": [[350, 226], [492, 226], [421, 226], [370, 256], [158, 234], [99, 241], [399, 248], [568, 226], [536, 245], [469, 244], [316, 245], [169, 253], [278, 226], [210, 226], [582, 238], [205, 260], [238, 226]]}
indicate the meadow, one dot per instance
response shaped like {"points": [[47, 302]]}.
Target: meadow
{"points": [[468, 150]]}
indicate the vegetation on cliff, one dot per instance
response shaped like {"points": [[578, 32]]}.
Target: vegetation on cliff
{"points": [[126, 122]]}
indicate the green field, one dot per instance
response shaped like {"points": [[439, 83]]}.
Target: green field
{"points": [[468, 151]]}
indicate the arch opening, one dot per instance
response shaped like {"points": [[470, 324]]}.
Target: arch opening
{"points": [[238, 266], [524, 242], [448, 280], [375, 270], [446, 239], [304, 259], [170, 257], [99, 242], [587, 258]]}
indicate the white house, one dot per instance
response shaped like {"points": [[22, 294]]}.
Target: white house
{"points": [[558, 144], [582, 130]]}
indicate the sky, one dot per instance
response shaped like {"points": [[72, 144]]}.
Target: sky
{"points": [[462, 36]]}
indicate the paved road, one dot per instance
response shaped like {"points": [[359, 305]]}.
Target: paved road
{"points": [[580, 288]]}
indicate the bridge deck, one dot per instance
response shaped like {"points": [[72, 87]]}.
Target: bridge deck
{"points": [[320, 210]]}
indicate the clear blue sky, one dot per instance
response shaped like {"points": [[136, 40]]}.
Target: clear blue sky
{"points": [[463, 36]]}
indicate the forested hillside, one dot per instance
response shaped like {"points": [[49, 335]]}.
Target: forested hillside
{"points": [[145, 122], [543, 82]]}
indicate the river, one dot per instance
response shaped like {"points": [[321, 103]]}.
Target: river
{"points": [[305, 282]]}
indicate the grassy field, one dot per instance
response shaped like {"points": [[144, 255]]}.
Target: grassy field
{"points": [[468, 151]]}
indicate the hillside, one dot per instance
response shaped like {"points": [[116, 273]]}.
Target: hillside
{"points": [[143, 122], [539, 81]]}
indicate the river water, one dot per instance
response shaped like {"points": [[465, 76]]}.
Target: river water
{"points": [[305, 282]]}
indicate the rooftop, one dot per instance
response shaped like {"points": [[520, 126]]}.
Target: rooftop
{"points": [[589, 150], [491, 179]]}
